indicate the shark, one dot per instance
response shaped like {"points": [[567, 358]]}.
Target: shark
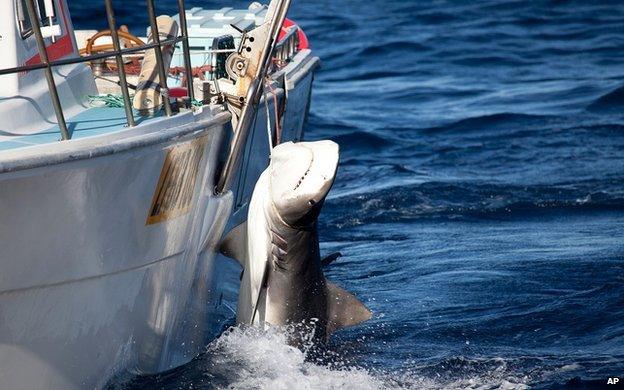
{"points": [[282, 282]]}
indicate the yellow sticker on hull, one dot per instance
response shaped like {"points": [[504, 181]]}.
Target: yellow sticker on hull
{"points": [[176, 185]]}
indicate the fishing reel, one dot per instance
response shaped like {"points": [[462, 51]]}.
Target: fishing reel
{"points": [[236, 66]]}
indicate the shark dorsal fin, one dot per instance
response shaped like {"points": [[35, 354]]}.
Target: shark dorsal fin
{"points": [[343, 309], [234, 244]]}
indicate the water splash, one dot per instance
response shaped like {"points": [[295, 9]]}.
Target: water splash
{"points": [[253, 358], [258, 359]]}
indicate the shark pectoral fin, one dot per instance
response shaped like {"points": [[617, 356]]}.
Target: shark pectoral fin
{"points": [[343, 309], [234, 244], [327, 260]]}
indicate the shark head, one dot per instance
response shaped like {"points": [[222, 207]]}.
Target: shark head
{"points": [[301, 175]]}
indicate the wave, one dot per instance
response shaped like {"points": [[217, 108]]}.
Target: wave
{"points": [[508, 60], [358, 141], [368, 75], [468, 200], [391, 48], [611, 101], [498, 120], [580, 384]]}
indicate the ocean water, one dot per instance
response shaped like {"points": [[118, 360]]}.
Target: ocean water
{"points": [[479, 203]]}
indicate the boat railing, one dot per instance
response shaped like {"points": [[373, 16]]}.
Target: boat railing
{"points": [[288, 46], [117, 52]]}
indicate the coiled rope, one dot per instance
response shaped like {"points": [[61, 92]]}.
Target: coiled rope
{"points": [[116, 101]]}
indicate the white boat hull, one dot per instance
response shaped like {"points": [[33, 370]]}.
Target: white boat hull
{"points": [[87, 278]]}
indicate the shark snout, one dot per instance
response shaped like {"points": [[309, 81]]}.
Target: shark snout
{"points": [[301, 175]]}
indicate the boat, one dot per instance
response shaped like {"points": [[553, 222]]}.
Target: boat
{"points": [[111, 206]]}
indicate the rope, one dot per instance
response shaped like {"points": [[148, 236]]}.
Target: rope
{"points": [[269, 127], [278, 129], [116, 101], [109, 100], [197, 71]]}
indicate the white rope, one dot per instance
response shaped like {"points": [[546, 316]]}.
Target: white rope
{"points": [[269, 127]]}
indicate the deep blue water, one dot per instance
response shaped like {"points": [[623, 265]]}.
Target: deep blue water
{"points": [[479, 203]]}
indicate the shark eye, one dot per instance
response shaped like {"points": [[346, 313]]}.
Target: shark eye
{"points": [[311, 202]]}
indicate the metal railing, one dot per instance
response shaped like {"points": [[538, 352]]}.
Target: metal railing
{"points": [[288, 46], [273, 51], [117, 52]]}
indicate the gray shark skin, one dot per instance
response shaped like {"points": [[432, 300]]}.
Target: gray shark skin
{"points": [[278, 247]]}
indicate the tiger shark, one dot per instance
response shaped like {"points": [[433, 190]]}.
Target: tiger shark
{"points": [[278, 247]]}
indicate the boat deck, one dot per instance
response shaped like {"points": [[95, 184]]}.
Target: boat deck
{"points": [[88, 123]]}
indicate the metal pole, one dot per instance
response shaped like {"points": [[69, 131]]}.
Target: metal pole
{"points": [[245, 122], [249, 110], [162, 73], [121, 70], [43, 55], [186, 50]]}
